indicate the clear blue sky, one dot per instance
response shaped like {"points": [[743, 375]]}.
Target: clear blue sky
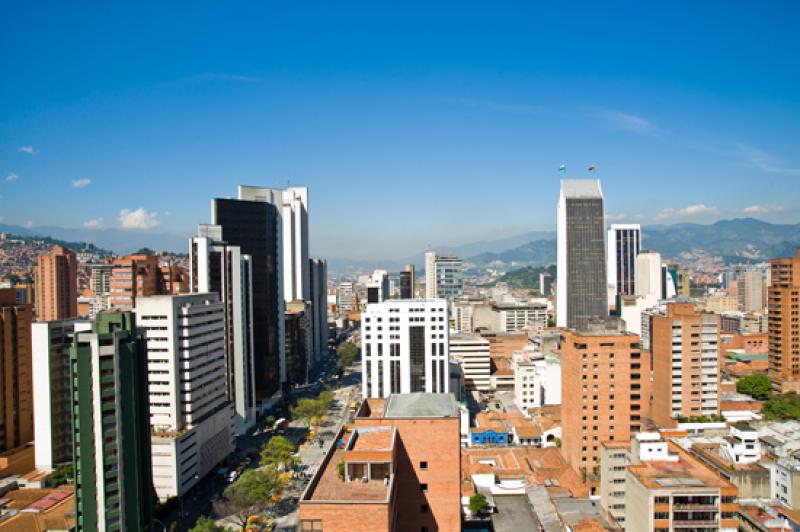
{"points": [[411, 123]]}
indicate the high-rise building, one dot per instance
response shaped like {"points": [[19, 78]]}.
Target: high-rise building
{"points": [[444, 277], [784, 333], [111, 426], [51, 341], [172, 279], [751, 291], [133, 276], [221, 268], [684, 284], [430, 274], [297, 335], [684, 343], [605, 390], [624, 243], [293, 206], [405, 347], [582, 282], [16, 381], [378, 287], [407, 282], [545, 284], [319, 310], [471, 352], [344, 296], [253, 223], [191, 418], [56, 280], [649, 275], [398, 469], [100, 285]]}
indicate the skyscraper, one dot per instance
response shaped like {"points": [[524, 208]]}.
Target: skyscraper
{"points": [[378, 287], [56, 280], [16, 384], [405, 347], [624, 243], [253, 223], [132, 276], [191, 418], [51, 342], [784, 335], [443, 277], [582, 283], [111, 424], [750, 291], [319, 308], [430, 274], [407, 282], [649, 275], [293, 203], [222, 269]]}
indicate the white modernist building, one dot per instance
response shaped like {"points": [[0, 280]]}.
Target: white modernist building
{"points": [[191, 418], [405, 347], [52, 415], [649, 275], [472, 353], [378, 287], [513, 317], [537, 380], [624, 242], [222, 269]]}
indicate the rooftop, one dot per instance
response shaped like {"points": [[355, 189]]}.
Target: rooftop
{"points": [[581, 188], [421, 405], [687, 472], [372, 439]]}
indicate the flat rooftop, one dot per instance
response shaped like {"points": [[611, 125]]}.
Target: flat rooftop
{"points": [[332, 488], [421, 405], [687, 472], [372, 439]]}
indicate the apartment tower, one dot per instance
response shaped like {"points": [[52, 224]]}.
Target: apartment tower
{"points": [[649, 282], [132, 277], [684, 342], [582, 285], [407, 287], [784, 334], [56, 281], [624, 243], [16, 381]]}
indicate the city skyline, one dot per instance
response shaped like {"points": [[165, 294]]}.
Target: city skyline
{"points": [[287, 96]]}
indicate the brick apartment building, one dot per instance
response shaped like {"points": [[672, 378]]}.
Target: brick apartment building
{"points": [[783, 302], [396, 468]]}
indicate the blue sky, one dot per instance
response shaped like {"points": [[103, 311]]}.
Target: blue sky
{"points": [[412, 124]]}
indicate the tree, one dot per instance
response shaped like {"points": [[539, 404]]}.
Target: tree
{"points": [[254, 491], [782, 407], [306, 410], [62, 474], [757, 386], [278, 452], [478, 504], [346, 354], [205, 524]]}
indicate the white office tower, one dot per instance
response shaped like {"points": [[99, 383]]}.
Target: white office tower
{"points": [[378, 287], [582, 285], [296, 268], [191, 419], [430, 274], [222, 269], [319, 308], [648, 274], [405, 347], [344, 296], [52, 416], [624, 243], [537, 379], [471, 352]]}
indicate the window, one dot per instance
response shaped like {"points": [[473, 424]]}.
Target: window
{"points": [[423, 488], [424, 508], [661, 515], [661, 500], [423, 466], [311, 524]]}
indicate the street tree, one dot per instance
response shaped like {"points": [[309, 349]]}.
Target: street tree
{"points": [[205, 523], [255, 491], [279, 452], [758, 386]]}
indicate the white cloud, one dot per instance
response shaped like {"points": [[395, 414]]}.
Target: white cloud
{"points": [[625, 121], [138, 219], [29, 224], [93, 224], [763, 209], [686, 212], [12, 177], [765, 161], [26, 149], [80, 183]]}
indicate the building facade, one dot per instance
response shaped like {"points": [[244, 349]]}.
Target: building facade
{"points": [[56, 281], [407, 282], [624, 243], [132, 277], [471, 352], [16, 380], [378, 287], [405, 347], [649, 282], [784, 334], [582, 284]]}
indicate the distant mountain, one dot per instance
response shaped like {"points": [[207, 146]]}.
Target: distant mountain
{"points": [[536, 253], [116, 240]]}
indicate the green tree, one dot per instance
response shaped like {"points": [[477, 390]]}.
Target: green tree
{"points": [[346, 354], [306, 409], [757, 386], [478, 504], [782, 407], [62, 474], [253, 492], [278, 452], [205, 524]]}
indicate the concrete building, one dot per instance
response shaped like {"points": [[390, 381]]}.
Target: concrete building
{"points": [[401, 469], [51, 341], [605, 390], [624, 243], [537, 380], [785, 481], [132, 277], [319, 310], [648, 484], [298, 336], [545, 284], [751, 291], [253, 222], [408, 282], [649, 282], [684, 343], [514, 317], [56, 281], [111, 423], [471, 352], [293, 205], [378, 287], [220, 268], [784, 335], [443, 277], [344, 296], [405, 347], [100, 285], [191, 418], [16, 381], [582, 288]]}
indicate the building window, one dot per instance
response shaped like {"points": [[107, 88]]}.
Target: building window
{"points": [[423, 488], [423, 466], [311, 524], [424, 508]]}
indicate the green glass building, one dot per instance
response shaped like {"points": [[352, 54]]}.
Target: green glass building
{"points": [[111, 426]]}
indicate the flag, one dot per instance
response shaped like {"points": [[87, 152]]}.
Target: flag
{"points": [[562, 168], [592, 167]]}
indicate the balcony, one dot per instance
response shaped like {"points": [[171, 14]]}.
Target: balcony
{"points": [[695, 523]]}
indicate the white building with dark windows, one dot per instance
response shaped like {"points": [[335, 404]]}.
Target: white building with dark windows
{"points": [[191, 418], [378, 287], [405, 347], [443, 277], [624, 243]]}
